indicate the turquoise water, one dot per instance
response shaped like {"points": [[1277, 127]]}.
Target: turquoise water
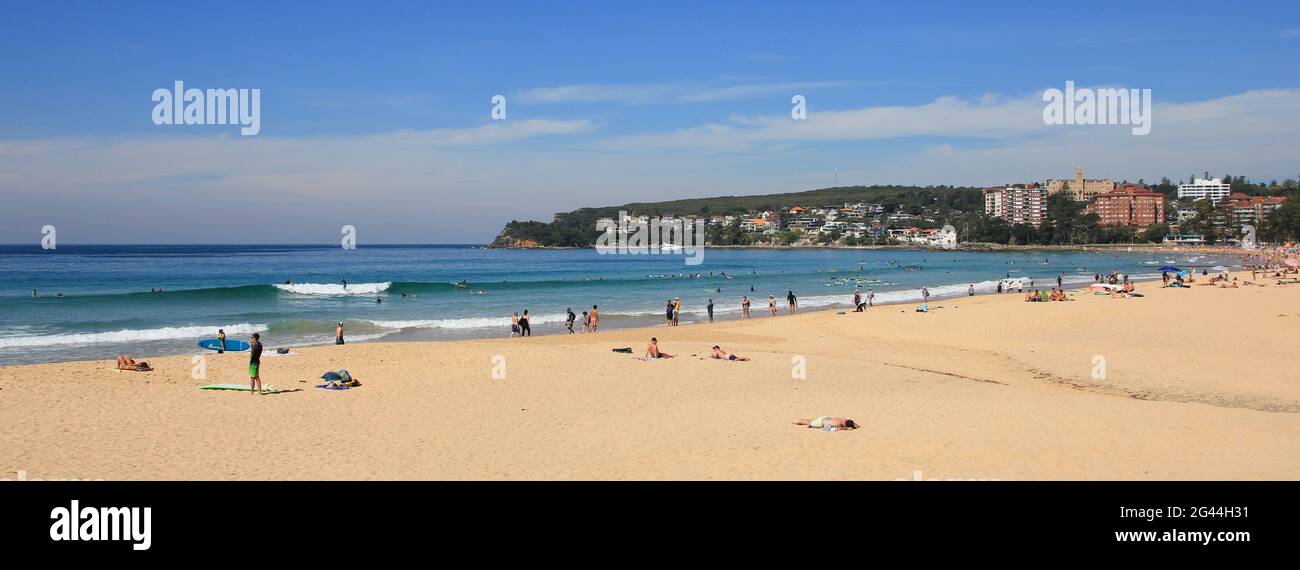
{"points": [[108, 308]]}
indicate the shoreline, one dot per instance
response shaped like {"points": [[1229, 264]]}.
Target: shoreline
{"points": [[981, 387], [698, 317]]}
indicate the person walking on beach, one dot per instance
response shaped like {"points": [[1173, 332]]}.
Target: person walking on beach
{"points": [[595, 318], [514, 324], [744, 307], [338, 333], [524, 329], [771, 305], [255, 364], [794, 302], [586, 322], [871, 297], [970, 290], [857, 300], [568, 319], [221, 341], [925, 295], [709, 306]]}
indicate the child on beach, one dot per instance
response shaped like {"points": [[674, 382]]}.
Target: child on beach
{"points": [[744, 307]]}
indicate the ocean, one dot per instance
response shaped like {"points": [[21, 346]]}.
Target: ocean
{"points": [[159, 300]]}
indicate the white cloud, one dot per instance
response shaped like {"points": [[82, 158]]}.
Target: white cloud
{"points": [[666, 93], [461, 185]]}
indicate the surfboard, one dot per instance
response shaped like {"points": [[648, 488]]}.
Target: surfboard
{"points": [[239, 388], [232, 345]]}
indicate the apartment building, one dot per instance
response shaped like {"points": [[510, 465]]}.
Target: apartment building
{"points": [[1210, 188]]}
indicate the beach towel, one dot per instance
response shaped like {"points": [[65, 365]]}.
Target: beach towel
{"points": [[340, 378]]}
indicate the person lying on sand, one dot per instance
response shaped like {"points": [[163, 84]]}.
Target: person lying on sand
{"points": [[720, 354], [125, 362], [652, 350], [828, 423]]}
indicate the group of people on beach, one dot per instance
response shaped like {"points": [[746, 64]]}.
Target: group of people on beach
{"points": [[652, 352]]}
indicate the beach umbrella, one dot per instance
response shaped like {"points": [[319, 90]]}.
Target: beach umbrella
{"points": [[1170, 269]]}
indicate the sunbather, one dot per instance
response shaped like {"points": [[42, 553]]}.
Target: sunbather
{"points": [[125, 362], [827, 422], [652, 350], [720, 354]]}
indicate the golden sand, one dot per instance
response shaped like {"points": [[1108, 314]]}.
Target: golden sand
{"points": [[1202, 383]]}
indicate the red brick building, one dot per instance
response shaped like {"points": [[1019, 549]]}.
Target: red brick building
{"points": [[1129, 205]]}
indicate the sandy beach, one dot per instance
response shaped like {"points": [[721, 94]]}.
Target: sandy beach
{"points": [[1198, 383]]}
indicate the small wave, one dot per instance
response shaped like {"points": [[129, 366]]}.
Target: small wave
{"points": [[128, 335], [334, 289], [465, 323]]}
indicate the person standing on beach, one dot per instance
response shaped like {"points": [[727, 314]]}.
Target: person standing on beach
{"points": [[970, 291], [677, 309], [221, 340], [668, 312], [857, 300], [871, 297], [595, 318], [709, 306], [514, 324], [586, 322], [568, 319], [925, 295], [255, 364], [744, 307], [771, 305], [1058, 281], [338, 333], [524, 329], [794, 302]]}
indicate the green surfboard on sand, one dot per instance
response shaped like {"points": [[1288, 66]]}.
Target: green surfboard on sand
{"points": [[239, 388]]}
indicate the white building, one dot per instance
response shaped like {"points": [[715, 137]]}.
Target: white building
{"points": [[1212, 188]]}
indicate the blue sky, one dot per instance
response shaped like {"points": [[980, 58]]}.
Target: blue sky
{"points": [[378, 115]]}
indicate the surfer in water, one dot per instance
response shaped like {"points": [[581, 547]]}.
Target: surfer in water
{"points": [[344, 281]]}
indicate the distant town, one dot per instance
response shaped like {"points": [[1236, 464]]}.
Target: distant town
{"points": [[1077, 210]]}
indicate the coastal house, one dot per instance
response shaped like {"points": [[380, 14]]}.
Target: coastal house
{"points": [[1253, 209]]}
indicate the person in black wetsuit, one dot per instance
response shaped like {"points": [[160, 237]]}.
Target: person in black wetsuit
{"points": [[524, 330], [254, 365]]}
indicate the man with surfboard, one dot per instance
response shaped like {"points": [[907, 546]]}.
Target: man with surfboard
{"points": [[221, 341]]}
